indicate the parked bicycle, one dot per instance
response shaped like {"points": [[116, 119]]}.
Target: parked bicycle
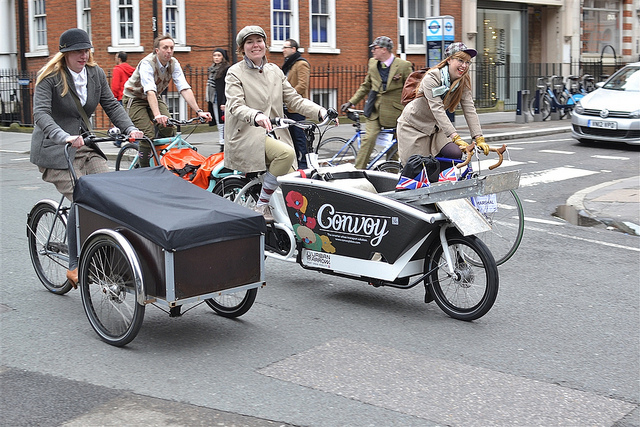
{"points": [[338, 150], [503, 210], [556, 95]]}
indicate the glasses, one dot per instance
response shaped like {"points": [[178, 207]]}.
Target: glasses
{"points": [[287, 47], [376, 47], [463, 62]]}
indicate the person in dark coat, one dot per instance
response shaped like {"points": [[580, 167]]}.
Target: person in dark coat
{"points": [[215, 96]]}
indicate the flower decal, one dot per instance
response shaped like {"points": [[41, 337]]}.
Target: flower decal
{"points": [[296, 201]]}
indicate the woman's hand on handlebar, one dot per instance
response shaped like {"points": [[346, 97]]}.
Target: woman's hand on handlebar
{"points": [[75, 141], [263, 121]]}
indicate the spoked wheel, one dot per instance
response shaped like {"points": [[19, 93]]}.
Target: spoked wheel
{"points": [[229, 187], [335, 151], [390, 166], [127, 157], [545, 106], [233, 305], [47, 236], [470, 291], [507, 226], [110, 279]]}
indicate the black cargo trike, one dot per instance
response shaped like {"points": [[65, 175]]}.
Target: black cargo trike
{"points": [[145, 236]]}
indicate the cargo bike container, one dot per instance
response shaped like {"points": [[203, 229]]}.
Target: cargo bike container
{"points": [[149, 237]]}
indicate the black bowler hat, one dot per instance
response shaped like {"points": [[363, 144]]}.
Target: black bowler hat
{"points": [[74, 39]]}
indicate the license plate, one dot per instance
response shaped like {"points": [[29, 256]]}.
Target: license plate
{"points": [[602, 124]]}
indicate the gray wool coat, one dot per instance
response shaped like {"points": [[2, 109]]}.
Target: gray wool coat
{"points": [[57, 117], [251, 91]]}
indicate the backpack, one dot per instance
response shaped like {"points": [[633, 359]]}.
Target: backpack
{"points": [[411, 85]]}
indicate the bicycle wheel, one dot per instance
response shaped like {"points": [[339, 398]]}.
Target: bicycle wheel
{"points": [[47, 236], [110, 276], [335, 151], [545, 106], [507, 226], [127, 157], [233, 305], [390, 166], [229, 187], [468, 293]]}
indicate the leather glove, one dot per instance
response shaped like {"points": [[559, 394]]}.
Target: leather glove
{"points": [[482, 145], [459, 142], [344, 107]]}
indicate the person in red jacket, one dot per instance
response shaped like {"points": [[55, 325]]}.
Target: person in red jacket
{"points": [[120, 74]]}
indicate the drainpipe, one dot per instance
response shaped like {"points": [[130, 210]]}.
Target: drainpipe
{"points": [[234, 31], [155, 18], [25, 96], [370, 7]]}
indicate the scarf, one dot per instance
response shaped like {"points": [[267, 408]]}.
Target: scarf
{"points": [[445, 78], [288, 63]]}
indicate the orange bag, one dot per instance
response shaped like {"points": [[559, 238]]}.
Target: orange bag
{"points": [[190, 165]]}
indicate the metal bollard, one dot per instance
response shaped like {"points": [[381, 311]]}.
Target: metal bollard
{"points": [[537, 115], [522, 108]]}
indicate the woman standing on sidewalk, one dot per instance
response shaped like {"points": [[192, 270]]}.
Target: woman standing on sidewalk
{"points": [[424, 127], [68, 90], [215, 97]]}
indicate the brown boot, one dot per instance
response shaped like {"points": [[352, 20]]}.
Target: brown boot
{"points": [[72, 277]]}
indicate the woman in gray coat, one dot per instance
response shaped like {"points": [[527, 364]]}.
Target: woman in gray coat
{"points": [[71, 77], [424, 127], [256, 91]]}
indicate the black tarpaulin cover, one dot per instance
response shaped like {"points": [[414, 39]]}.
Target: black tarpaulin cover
{"points": [[165, 209]]}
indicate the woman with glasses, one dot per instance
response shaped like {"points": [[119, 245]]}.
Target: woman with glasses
{"points": [[424, 127]]}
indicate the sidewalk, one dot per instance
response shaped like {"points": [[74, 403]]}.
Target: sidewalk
{"points": [[616, 203]]}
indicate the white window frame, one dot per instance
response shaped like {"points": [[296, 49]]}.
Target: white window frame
{"points": [[126, 45], [294, 27], [330, 45], [172, 99], [331, 94], [84, 16], [180, 37], [36, 49], [432, 8]]}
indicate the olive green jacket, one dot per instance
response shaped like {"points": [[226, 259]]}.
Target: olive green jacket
{"points": [[387, 105]]}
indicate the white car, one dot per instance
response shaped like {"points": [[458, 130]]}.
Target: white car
{"points": [[611, 112]]}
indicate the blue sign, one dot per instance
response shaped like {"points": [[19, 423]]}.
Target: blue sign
{"points": [[23, 82], [434, 30]]}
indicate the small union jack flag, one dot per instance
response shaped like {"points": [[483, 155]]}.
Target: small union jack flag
{"points": [[406, 183], [448, 175]]}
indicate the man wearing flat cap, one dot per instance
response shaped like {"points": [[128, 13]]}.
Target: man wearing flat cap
{"points": [[383, 88]]}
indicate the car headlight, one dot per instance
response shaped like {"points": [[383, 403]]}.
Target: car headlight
{"points": [[578, 108], [634, 114]]}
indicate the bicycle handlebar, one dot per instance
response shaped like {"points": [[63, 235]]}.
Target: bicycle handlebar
{"points": [[174, 122], [470, 149]]}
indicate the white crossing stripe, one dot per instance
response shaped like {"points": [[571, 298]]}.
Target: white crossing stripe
{"points": [[557, 152], [553, 175], [610, 157]]}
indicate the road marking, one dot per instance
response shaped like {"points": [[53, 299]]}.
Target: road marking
{"points": [[583, 239], [557, 152], [545, 221], [553, 175], [20, 159], [610, 157]]}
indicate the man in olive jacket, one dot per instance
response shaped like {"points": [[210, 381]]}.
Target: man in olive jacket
{"points": [[386, 76]]}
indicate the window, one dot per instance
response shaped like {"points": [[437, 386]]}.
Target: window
{"points": [[601, 26], [174, 22], [284, 23], [176, 104], [125, 26], [38, 28], [413, 23], [323, 26], [325, 97], [84, 15]]}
